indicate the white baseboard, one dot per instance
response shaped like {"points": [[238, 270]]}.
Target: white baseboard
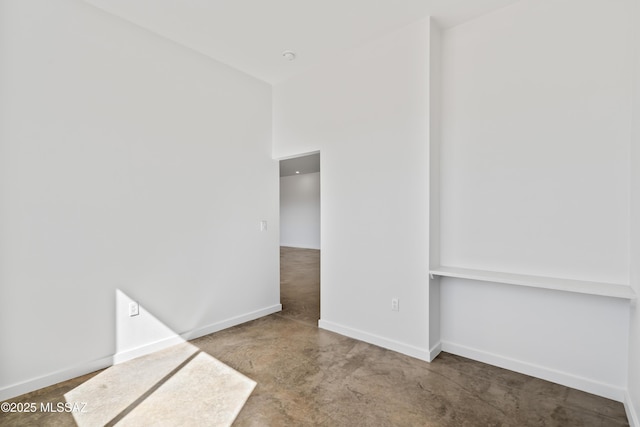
{"points": [[14, 390], [564, 378], [148, 348], [435, 351], [233, 321], [196, 333], [284, 245], [387, 343], [632, 413]]}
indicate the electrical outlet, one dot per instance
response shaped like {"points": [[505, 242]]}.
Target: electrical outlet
{"points": [[134, 309], [263, 225], [395, 304]]}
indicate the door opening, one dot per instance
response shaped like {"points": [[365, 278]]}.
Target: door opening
{"points": [[300, 238]]}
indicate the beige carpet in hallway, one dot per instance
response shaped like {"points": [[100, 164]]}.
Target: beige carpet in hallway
{"points": [[305, 376]]}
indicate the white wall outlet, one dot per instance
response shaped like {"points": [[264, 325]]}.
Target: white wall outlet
{"points": [[134, 309], [395, 304], [263, 225]]}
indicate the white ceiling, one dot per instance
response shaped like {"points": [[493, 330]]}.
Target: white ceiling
{"points": [[251, 35], [300, 165]]}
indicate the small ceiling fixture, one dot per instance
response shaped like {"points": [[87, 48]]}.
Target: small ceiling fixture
{"points": [[297, 171], [289, 55]]}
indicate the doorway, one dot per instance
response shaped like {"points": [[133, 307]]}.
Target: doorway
{"points": [[300, 238]]}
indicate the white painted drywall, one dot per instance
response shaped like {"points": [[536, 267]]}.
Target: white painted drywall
{"points": [[435, 121], [367, 112], [535, 180], [573, 339], [633, 382], [141, 333], [300, 211], [116, 152], [536, 113]]}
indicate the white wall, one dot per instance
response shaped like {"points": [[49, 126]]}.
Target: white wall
{"points": [[367, 112], [633, 399], [300, 211], [573, 339], [435, 122], [535, 180], [536, 113], [116, 148]]}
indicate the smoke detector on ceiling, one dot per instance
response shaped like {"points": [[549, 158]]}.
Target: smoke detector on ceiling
{"points": [[289, 55]]}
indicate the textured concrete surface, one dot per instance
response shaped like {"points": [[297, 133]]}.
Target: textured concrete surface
{"points": [[205, 392], [114, 390], [300, 284], [307, 376]]}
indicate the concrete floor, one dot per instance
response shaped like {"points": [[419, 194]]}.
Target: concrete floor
{"points": [[308, 376]]}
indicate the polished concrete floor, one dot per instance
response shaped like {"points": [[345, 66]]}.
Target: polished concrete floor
{"points": [[300, 284], [307, 376]]}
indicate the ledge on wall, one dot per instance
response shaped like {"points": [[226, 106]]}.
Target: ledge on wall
{"points": [[568, 285]]}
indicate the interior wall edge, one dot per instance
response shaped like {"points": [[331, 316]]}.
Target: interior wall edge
{"points": [[389, 344], [295, 155], [632, 415]]}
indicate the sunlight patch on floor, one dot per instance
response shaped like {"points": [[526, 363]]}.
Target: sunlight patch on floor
{"points": [[180, 385]]}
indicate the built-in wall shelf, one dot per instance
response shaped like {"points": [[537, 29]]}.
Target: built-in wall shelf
{"points": [[579, 286]]}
